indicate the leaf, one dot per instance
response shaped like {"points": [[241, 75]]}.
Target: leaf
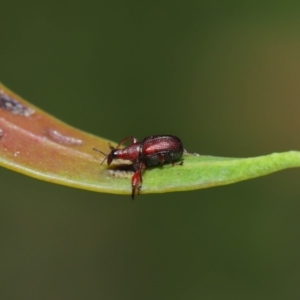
{"points": [[36, 144]]}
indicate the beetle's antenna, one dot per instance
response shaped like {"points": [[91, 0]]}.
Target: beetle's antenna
{"points": [[105, 158]]}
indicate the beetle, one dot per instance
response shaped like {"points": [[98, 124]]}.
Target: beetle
{"points": [[151, 151]]}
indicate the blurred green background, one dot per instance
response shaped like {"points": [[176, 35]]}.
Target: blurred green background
{"points": [[224, 77]]}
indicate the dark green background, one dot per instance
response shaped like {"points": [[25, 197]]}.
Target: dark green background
{"points": [[222, 75]]}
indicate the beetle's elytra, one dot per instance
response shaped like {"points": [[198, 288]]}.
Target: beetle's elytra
{"points": [[151, 151]]}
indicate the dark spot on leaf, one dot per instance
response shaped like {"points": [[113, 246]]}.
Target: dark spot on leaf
{"points": [[63, 139], [12, 105]]}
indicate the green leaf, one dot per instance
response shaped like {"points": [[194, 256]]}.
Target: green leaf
{"points": [[36, 144]]}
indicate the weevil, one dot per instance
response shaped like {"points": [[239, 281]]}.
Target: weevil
{"points": [[151, 151]]}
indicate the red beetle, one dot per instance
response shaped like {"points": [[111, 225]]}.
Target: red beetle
{"points": [[151, 151]]}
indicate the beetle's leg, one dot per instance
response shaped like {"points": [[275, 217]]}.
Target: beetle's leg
{"points": [[132, 138], [140, 185], [136, 182], [169, 158], [137, 177]]}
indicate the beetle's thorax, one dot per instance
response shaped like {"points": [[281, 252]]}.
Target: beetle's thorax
{"points": [[129, 153]]}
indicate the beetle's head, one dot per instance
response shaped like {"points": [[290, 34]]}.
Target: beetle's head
{"points": [[109, 157]]}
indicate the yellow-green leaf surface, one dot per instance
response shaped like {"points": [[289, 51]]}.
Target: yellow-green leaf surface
{"points": [[36, 144]]}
